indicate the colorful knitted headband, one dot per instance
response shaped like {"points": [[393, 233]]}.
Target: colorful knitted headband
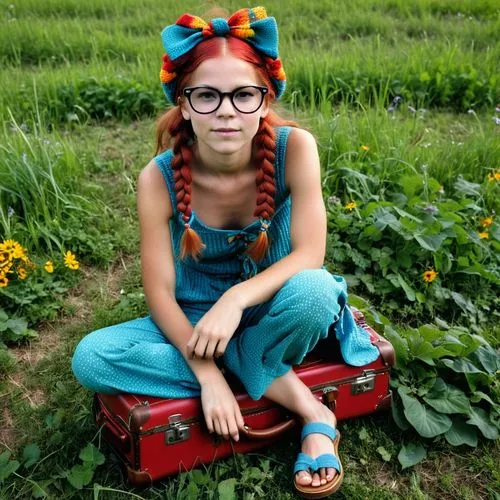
{"points": [[251, 25]]}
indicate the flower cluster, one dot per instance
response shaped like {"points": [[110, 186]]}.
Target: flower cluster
{"points": [[485, 224], [14, 261], [494, 176]]}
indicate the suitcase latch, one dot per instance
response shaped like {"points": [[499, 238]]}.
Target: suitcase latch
{"points": [[176, 431], [365, 383], [330, 394]]}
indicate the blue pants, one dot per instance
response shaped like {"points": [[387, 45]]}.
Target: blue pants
{"points": [[136, 357]]}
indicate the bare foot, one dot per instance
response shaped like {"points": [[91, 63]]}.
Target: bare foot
{"points": [[317, 444]]}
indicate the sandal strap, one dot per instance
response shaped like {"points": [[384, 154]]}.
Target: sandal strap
{"points": [[318, 428], [306, 462]]}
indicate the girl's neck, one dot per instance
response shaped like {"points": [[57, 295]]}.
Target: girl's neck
{"points": [[222, 165]]}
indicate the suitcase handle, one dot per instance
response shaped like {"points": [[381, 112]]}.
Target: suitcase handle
{"points": [[271, 432], [114, 435]]}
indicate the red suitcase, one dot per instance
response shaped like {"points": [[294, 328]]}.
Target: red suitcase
{"points": [[157, 437]]}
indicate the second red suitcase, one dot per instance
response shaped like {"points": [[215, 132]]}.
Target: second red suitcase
{"points": [[155, 437]]}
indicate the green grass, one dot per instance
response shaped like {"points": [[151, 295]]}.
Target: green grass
{"points": [[344, 65]]}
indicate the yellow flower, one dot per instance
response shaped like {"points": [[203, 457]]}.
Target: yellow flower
{"points": [[70, 261], [486, 222], [497, 176], [430, 275], [351, 206], [21, 272], [14, 248], [491, 177], [365, 147], [483, 235], [49, 267], [4, 281]]}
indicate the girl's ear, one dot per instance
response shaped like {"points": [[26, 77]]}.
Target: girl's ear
{"points": [[265, 109], [184, 111]]}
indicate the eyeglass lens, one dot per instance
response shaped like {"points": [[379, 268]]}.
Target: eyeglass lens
{"points": [[245, 99]]}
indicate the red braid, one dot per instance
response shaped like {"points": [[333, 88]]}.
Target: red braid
{"points": [[265, 140], [191, 243]]}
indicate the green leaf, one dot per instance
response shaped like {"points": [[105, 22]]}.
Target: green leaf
{"points": [[480, 419], [430, 332], [411, 454], [410, 293], [488, 358], [39, 490], [80, 475], [447, 399], [31, 455], [478, 396], [386, 456], [226, 489], [398, 414], [426, 422], [90, 454], [468, 188], [7, 467], [399, 343], [461, 365], [431, 243], [200, 477], [461, 433]]}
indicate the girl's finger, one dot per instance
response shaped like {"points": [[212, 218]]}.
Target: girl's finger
{"points": [[200, 347], [211, 347], [210, 424], [221, 347], [217, 426], [232, 427], [224, 427], [190, 345], [239, 418]]}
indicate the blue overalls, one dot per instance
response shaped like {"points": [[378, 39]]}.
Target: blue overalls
{"points": [[136, 357]]}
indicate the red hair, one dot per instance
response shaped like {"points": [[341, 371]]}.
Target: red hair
{"points": [[173, 130]]}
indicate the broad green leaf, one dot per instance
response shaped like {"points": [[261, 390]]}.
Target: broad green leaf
{"points": [[468, 188], [399, 343], [80, 475], [31, 455], [39, 490], [226, 489], [431, 243], [430, 332], [18, 325], [461, 433], [410, 293], [411, 454], [386, 456], [480, 419], [92, 455], [398, 414], [411, 184], [488, 358], [478, 380], [426, 421], [479, 395], [447, 399], [7, 467], [461, 365], [200, 477]]}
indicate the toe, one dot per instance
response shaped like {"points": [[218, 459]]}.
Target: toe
{"points": [[304, 478], [330, 473], [316, 480], [322, 475]]}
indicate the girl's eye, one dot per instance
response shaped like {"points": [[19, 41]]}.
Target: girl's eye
{"points": [[205, 95]]}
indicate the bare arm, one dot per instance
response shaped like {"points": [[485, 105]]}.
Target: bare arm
{"points": [[308, 223], [157, 264]]}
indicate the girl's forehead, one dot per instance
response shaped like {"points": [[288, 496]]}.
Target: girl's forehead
{"points": [[224, 71]]}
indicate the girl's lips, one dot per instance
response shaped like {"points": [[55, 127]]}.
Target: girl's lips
{"points": [[222, 131]]}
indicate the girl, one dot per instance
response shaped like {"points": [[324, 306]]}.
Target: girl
{"points": [[233, 236]]}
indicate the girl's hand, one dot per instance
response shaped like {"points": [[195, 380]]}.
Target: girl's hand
{"points": [[220, 408], [215, 329]]}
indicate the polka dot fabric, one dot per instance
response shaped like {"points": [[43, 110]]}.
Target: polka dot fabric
{"points": [[136, 357]]}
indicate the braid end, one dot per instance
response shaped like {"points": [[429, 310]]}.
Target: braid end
{"points": [[191, 244]]}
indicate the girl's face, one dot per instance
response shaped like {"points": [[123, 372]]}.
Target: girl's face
{"points": [[224, 73]]}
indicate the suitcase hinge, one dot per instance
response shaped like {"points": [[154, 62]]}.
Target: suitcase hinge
{"points": [[177, 431], [365, 383]]}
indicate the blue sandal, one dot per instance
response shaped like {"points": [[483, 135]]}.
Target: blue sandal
{"points": [[307, 463]]}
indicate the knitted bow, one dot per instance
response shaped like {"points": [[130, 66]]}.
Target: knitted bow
{"points": [[251, 25]]}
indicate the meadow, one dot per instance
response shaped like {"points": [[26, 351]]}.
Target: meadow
{"points": [[403, 98]]}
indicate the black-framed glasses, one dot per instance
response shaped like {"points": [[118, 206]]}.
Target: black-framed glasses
{"points": [[206, 100]]}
